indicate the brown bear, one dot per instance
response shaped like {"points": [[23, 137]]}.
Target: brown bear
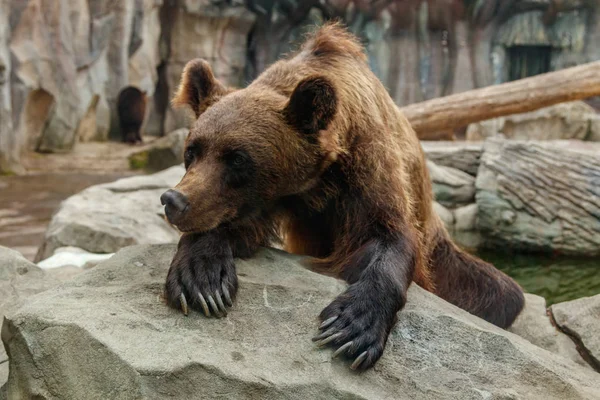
{"points": [[315, 152], [131, 108]]}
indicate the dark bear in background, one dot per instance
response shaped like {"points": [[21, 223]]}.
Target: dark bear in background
{"points": [[316, 153], [131, 107]]}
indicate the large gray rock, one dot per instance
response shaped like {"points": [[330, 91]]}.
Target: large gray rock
{"points": [[161, 153], [140, 348], [542, 196], [580, 319], [535, 325], [461, 224], [107, 217], [460, 155], [574, 120], [19, 280], [451, 187]]}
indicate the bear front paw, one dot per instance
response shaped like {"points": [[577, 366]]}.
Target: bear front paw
{"points": [[358, 324], [203, 282]]}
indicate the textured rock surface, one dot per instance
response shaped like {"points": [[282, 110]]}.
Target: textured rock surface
{"points": [[535, 325], [460, 155], [574, 120], [9, 145], [141, 348], [461, 224], [217, 34], [540, 196], [161, 153], [70, 59], [580, 319], [465, 231], [451, 187], [19, 280], [107, 217]]}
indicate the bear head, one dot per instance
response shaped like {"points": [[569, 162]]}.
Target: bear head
{"points": [[247, 148]]}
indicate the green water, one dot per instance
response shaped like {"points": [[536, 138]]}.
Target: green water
{"points": [[555, 279]]}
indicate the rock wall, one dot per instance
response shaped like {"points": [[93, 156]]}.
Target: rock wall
{"points": [[64, 62], [9, 146], [69, 61]]}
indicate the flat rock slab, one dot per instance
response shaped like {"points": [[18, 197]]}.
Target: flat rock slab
{"points": [[540, 196], [451, 187], [19, 280], [581, 320], [534, 324], [464, 156], [107, 335], [107, 217]]}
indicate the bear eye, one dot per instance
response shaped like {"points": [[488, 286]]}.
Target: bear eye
{"points": [[237, 159], [188, 156]]}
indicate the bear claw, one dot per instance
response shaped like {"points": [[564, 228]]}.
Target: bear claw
{"points": [[204, 305], [227, 295], [214, 307], [342, 349], [359, 360], [328, 322], [184, 306], [329, 339], [220, 303]]}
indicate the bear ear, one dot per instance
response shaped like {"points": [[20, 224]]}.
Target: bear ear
{"points": [[198, 87], [312, 105]]}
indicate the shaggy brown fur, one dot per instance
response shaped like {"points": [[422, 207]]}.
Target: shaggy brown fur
{"points": [[316, 152]]}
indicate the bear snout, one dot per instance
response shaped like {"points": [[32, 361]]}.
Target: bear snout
{"points": [[176, 205]]}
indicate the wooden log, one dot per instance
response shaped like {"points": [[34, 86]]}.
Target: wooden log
{"points": [[459, 110], [540, 196]]}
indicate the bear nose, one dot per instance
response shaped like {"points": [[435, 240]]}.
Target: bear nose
{"points": [[176, 204]]}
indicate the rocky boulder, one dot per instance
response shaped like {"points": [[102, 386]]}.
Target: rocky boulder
{"points": [[574, 120], [107, 217], [451, 187], [540, 195], [19, 280], [161, 153], [461, 223], [580, 319], [534, 324], [140, 348], [463, 156]]}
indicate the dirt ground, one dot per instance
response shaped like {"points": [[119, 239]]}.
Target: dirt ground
{"points": [[27, 202]]}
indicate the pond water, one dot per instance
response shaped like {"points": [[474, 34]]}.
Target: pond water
{"points": [[557, 279], [28, 202]]}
